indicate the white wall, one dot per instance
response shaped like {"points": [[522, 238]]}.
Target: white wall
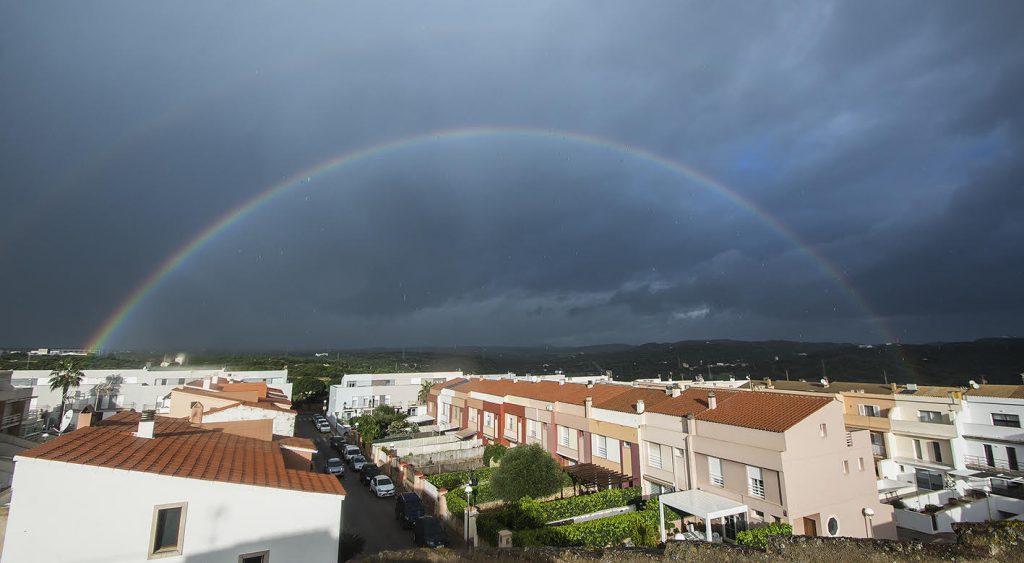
{"points": [[284, 422], [402, 393], [108, 514]]}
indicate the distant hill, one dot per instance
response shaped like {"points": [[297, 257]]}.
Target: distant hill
{"points": [[998, 360]]}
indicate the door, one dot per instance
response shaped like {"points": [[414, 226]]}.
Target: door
{"points": [[810, 527], [1011, 457], [990, 456]]}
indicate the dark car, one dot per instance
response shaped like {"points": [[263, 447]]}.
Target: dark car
{"points": [[429, 532], [338, 443], [369, 471], [408, 509]]}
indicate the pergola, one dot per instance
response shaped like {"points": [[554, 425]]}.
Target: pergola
{"points": [[706, 506], [592, 475]]}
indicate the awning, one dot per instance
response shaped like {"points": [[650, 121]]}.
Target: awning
{"points": [[706, 506], [419, 418], [922, 464], [890, 485], [465, 434], [964, 473]]}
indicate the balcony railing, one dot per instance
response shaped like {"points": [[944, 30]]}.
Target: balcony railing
{"points": [[10, 420], [979, 463]]}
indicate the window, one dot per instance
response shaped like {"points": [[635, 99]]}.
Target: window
{"points": [[758, 516], [934, 417], [846, 467], [510, 421], [860, 464], [654, 455], [917, 450], [755, 482], [257, 557], [1007, 420], [823, 430], [488, 419], [832, 526], [532, 428], [602, 446], [870, 410], [936, 452], [168, 530], [350, 384], [563, 436], [446, 409], [715, 471], [472, 415], [1011, 458]]}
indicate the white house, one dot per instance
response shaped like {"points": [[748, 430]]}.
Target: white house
{"points": [[360, 392], [108, 390], [991, 439], [130, 489]]}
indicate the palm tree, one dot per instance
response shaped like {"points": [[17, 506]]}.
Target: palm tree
{"points": [[65, 376], [425, 391]]}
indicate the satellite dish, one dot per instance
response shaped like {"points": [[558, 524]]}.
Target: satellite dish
{"points": [[974, 384], [66, 421]]}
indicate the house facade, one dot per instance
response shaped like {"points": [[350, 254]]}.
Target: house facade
{"points": [[362, 392], [184, 494]]}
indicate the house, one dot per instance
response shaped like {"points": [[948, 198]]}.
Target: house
{"points": [[361, 392], [253, 406], [989, 435], [15, 403], [111, 390], [159, 487]]}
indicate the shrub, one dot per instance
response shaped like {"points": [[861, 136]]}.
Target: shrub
{"points": [[458, 479], [639, 527], [758, 537], [579, 505], [899, 504], [932, 508], [456, 498], [493, 452], [526, 471], [350, 545]]}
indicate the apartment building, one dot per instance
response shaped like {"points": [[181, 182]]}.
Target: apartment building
{"points": [[138, 487], [15, 404], [361, 392], [111, 390], [990, 438], [776, 457]]}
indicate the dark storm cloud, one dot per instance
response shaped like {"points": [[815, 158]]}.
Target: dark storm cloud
{"points": [[887, 136]]}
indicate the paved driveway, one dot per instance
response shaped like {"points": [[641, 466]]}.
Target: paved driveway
{"points": [[365, 514]]}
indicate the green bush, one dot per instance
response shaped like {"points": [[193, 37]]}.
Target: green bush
{"points": [[758, 537], [493, 452], [526, 471], [456, 499], [577, 506], [458, 479], [639, 527]]}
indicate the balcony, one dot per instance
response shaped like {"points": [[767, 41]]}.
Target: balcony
{"points": [[877, 423], [990, 432], [10, 420], [1001, 466], [878, 450], [924, 429]]}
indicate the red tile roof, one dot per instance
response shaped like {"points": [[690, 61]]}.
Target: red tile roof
{"points": [[626, 401], [691, 401], [179, 449], [774, 412], [261, 404]]}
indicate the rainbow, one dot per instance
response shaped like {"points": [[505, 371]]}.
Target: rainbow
{"points": [[123, 311]]}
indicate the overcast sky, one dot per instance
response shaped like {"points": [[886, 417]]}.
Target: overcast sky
{"points": [[887, 136]]}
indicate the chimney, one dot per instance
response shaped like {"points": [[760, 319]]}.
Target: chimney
{"points": [[147, 421], [206, 383], [640, 407], [84, 418], [768, 382], [590, 385], [668, 390], [196, 414], [561, 382], [588, 405], [676, 391], [712, 401]]}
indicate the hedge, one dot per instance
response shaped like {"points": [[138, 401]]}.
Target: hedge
{"points": [[580, 505], [640, 527], [758, 537], [458, 479], [456, 499], [495, 452]]}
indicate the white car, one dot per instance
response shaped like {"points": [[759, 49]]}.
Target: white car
{"points": [[349, 452], [357, 462], [382, 486]]}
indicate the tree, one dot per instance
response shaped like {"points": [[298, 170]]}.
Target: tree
{"points": [[526, 471], [305, 387], [424, 393], [380, 422], [110, 386], [65, 376]]}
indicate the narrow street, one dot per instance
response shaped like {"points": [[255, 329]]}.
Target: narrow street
{"points": [[371, 517]]}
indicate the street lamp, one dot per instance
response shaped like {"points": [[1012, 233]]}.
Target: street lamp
{"points": [[868, 513], [469, 491]]}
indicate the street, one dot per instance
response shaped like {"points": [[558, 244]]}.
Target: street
{"points": [[371, 517]]}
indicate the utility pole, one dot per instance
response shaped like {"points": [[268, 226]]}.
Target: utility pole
{"points": [[787, 374], [885, 376], [823, 374]]}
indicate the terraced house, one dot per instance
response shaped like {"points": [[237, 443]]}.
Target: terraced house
{"points": [[766, 457]]}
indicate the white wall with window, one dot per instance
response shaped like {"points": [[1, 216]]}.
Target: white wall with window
{"points": [[715, 475], [605, 448], [755, 481], [654, 455], [286, 524], [990, 432]]}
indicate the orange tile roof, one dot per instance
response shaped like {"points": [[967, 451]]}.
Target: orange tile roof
{"points": [[261, 404], [691, 401], [774, 412], [626, 400], [295, 442], [179, 449]]}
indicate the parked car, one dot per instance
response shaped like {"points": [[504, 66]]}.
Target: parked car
{"points": [[428, 532], [382, 486], [334, 466], [349, 451], [408, 508], [338, 443], [323, 426], [357, 462], [368, 472]]}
